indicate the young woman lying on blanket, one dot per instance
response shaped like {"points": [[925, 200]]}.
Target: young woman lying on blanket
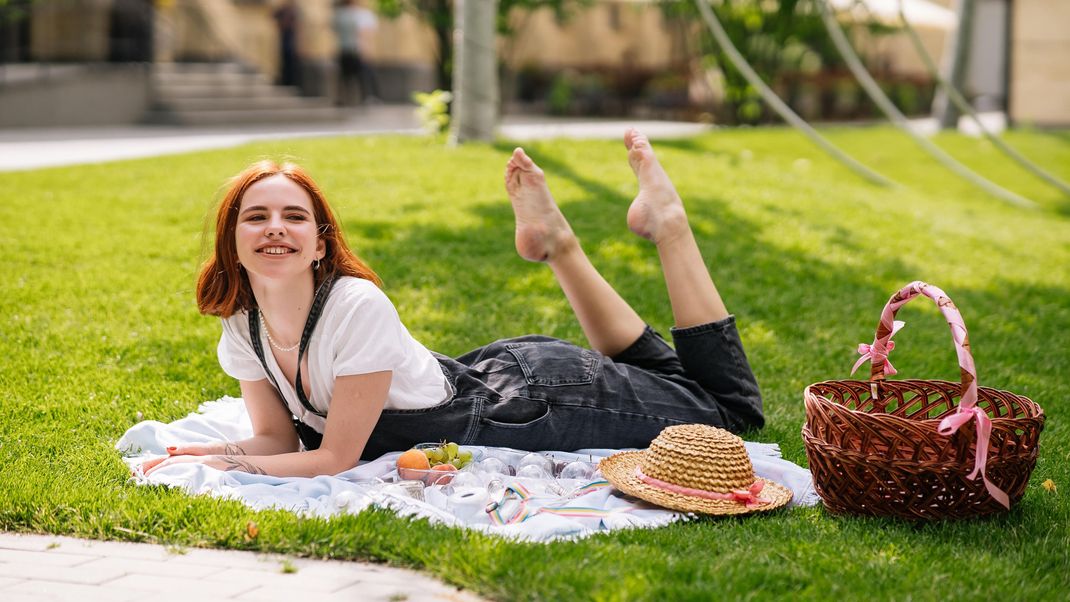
{"points": [[316, 344]]}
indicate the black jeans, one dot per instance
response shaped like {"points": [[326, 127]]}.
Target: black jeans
{"points": [[352, 68], [536, 392]]}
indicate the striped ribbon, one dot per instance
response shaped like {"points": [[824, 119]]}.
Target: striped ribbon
{"points": [[522, 512]]}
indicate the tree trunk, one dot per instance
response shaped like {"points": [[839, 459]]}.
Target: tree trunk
{"points": [[475, 73], [956, 63]]}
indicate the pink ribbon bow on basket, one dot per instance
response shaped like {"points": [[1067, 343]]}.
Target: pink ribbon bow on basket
{"points": [[872, 354]]}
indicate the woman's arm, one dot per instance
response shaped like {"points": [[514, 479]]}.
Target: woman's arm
{"points": [[356, 404], [273, 431]]}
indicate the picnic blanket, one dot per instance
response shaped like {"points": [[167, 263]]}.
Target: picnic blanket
{"points": [[531, 509]]}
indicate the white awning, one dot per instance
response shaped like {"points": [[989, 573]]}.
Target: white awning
{"points": [[920, 13]]}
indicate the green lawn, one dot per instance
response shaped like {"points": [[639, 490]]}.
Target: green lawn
{"points": [[99, 329]]}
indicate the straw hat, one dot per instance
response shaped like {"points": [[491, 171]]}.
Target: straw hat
{"points": [[695, 468]]}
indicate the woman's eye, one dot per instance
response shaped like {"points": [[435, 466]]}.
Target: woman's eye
{"points": [[254, 218], [297, 217]]}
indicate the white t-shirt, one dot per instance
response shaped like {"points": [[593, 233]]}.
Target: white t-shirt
{"points": [[350, 23], [358, 332]]}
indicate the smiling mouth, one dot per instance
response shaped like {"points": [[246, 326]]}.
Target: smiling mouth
{"points": [[277, 250]]}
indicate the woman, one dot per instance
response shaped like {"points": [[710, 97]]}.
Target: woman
{"points": [[306, 329]]}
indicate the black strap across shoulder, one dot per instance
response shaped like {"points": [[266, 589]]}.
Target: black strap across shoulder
{"points": [[314, 315]]}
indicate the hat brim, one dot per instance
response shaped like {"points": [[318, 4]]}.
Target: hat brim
{"points": [[619, 470]]}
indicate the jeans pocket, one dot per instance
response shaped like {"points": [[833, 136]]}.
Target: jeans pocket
{"points": [[554, 363], [516, 412]]}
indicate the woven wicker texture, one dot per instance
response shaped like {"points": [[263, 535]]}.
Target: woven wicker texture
{"points": [[884, 456], [874, 447], [695, 456]]}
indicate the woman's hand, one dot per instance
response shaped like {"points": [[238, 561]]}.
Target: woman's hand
{"points": [[195, 449], [213, 461]]}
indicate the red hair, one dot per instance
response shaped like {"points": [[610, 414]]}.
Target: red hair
{"points": [[223, 287]]}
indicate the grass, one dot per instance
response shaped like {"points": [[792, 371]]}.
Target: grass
{"points": [[99, 328]]}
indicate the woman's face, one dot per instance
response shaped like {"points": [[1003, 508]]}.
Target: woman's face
{"points": [[276, 235]]}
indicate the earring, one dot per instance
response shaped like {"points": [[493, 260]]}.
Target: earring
{"points": [[316, 265]]}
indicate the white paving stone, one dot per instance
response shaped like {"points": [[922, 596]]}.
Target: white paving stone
{"points": [[296, 580], [74, 592], [54, 573], [230, 559], [48, 557], [282, 594], [162, 567], [45, 568], [151, 585], [6, 581], [12, 597], [19, 541]]}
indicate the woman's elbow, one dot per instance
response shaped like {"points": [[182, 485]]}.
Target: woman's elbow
{"points": [[332, 463]]}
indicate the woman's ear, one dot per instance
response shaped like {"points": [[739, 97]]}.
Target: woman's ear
{"points": [[321, 248]]}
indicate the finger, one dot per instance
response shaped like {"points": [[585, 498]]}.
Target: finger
{"points": [[148, 467], [186, 450]]}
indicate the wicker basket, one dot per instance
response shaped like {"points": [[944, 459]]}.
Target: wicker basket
{"points": [[909, 448]]}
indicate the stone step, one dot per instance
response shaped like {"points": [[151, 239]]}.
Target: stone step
{"points": [[240, 103], [210, 79], [244, 116], [229, 90], [228, 93], [200, 68]]}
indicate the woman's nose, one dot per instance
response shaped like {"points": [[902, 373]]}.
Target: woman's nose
{"points": [[275, 227]]}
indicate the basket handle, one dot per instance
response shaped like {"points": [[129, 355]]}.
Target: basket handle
{"points": [[877, 353], [882, 343]]}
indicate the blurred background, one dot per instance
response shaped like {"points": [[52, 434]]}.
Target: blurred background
{"points": [[70, 63]]}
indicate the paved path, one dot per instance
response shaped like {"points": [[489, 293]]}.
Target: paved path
{"points": [[45, 568], [36, 148]]}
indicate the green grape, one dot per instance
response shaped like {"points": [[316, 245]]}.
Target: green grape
{"points": [[464, 456], [452, 449], [437, 456]]}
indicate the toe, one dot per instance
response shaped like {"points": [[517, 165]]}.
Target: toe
{"points": [[521, 158]]}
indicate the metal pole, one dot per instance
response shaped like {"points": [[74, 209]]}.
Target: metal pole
{"points": [[960, 102], [900, 121], [779, 105]]}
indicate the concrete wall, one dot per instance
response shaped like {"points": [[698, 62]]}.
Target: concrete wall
{"points": [[70, 31], [69, 95], [986, 73], [1040, 62], [604, 35]]}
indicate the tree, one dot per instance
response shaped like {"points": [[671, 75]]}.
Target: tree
{"points": [[475, 94]]}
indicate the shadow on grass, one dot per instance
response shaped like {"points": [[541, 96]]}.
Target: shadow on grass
{"points": [[813, 311]]}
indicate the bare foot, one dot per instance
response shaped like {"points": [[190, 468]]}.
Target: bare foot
{"points": [[541, 230], [657, 213]]}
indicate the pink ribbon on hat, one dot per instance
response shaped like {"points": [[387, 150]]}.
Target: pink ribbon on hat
{"points": [[877, 352], [747, 496]]}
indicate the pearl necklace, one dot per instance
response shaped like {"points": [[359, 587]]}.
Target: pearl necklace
{"points": [[267, 331]]}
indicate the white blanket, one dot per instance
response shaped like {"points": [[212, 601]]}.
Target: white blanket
{"points": [[554, 509]]}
